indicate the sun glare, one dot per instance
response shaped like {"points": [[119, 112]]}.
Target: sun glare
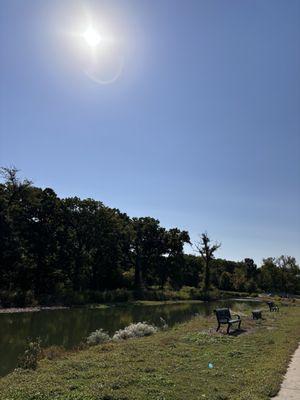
{"points": [[98, 48], [92, 37]]}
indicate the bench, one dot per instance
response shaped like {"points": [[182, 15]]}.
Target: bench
{"points": [[272, 306], [224, 317]]}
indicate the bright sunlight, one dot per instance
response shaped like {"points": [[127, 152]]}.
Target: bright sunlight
{"points": [[92, 37]]}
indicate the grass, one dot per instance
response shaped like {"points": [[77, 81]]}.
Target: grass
{"points": [[142, 303], [171, 365]]}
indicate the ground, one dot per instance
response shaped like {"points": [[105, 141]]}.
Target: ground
{"points": [[172, 364]]}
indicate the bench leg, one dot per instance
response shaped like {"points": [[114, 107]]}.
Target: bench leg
{"points": [[228, 328], [218, 327], [239, 327]]}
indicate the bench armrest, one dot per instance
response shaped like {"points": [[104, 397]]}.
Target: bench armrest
{"points": [[236, 315]]}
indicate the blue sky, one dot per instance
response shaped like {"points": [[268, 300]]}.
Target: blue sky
{"points": [[201, 129]]}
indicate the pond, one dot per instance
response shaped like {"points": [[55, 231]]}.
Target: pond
{"points": [[68, 327]]}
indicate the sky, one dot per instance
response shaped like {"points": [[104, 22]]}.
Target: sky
{"points": [[188, 112]]}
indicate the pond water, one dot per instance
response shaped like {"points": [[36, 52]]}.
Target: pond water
{"points": [[68, 327]]}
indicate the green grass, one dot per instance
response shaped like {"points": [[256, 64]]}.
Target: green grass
{"points": [[171, 365]]}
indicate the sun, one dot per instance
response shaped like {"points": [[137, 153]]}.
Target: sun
{"points": [[91, 37]]}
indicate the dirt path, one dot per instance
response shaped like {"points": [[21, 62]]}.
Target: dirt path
{"points": [[290, 388]]}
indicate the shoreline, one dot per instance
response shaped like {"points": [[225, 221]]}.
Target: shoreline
{"points": [[15, 310]]}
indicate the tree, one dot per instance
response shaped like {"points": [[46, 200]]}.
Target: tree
{"points": [[289, 273], [251, 268], [16, 196], [55, 250], [207, 253], [270, 277], [225, 281], [148, 246], [173, 264]]}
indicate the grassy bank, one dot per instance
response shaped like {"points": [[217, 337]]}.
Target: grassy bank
{"points": [[170, 365]]}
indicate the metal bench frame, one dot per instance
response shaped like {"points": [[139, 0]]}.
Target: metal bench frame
{"points": [[224, 317], [272, 306]]}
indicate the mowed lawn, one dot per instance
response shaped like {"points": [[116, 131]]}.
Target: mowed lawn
{"points": [[171, 365]]}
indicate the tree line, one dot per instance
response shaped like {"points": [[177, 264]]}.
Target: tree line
{"points": [[52, 248]]}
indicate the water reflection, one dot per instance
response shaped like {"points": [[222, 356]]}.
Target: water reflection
{"points": [[69, 327]]}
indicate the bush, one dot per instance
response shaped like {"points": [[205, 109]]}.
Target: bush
{"points": [[97, 337], [31, 355], [135, 330], [228, 294], [110, 296], [70, 297], [121, 295], [188, 293], [17, 298], [164, 324], [250, 286]]}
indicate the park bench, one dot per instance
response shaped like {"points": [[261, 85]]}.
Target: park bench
{"points": [[272, 306], [224, 317]]}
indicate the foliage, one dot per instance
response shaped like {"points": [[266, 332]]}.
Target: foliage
{"points": [[225, 281], [56, 250], [280, 275], [163, 323], [72, 251], [97, 337], [135, 330], [32, 353]]}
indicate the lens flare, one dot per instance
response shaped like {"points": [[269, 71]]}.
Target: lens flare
{"points": [[92, 37]]}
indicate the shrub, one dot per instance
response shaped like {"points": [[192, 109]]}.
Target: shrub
{"points": [[97, 337], [231, 294], [164, 324], [250, 286], [110, 296], [17, 298], [121, 295], [31, 354], [71, 297], [135, 330], [187, 293]]}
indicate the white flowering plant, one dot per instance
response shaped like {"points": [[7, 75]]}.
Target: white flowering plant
{"points": [[135, 330], [97, 337]]}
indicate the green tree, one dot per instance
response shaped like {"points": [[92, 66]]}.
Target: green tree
{"points": [[270, 279], [173, 262], [251, 268], [148, 247], [225, 281], [289, 274]]}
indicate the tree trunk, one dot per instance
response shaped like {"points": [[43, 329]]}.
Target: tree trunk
{"points": [[207, 276], [138, 278]]}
